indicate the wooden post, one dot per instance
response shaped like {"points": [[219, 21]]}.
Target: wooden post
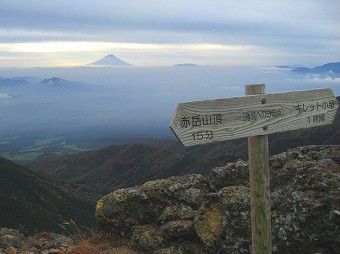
{"points": [[259, 185], [254, 116]]}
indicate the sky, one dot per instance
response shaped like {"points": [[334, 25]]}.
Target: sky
{"points": [[44, 33]]}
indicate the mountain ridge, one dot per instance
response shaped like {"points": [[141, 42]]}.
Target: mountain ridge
{"points": [[328, 70], [54, 81], [115, 166], [59, 82], [121, 166], [11, 82], [328, 67]]}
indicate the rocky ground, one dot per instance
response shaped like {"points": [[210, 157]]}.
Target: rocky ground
{"points": [[13, 242], [196, 214]]}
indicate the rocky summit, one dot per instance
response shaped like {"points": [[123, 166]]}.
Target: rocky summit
{"points": [[196, 214], [12, 242]]}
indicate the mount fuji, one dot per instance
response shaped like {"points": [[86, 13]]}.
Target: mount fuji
{"points": [[108, 61]]}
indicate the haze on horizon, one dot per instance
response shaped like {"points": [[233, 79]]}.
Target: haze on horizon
{"points": [[234, 43], [162, 33]]}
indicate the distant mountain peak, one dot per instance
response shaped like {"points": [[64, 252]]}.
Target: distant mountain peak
{"points": [[108, 61], [333, 68], [186, 65], [12, 82], [59, 82], [53, 81]]}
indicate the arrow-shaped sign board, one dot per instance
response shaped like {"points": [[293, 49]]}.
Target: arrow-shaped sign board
{"points": [[208, 121]]}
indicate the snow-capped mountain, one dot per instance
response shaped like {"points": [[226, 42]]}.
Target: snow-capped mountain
{"points": [[108, 61]]}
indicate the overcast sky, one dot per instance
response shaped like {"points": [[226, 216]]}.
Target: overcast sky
{"points": [[163, 33]]}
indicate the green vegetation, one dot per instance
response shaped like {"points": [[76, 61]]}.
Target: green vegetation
{"points": [[57, 145], [74, 148], [48, 141], [22, 156]]}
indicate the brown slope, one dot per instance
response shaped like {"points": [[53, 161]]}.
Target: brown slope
{"points": [[115, 166], [34, 202], [127, 165]]}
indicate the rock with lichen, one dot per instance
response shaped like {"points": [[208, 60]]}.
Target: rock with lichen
{"points": [[123, 209], [12, 242], [223, 223], [197, 214]]}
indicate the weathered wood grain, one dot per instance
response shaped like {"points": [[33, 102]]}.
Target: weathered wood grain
{"points": [[252, 115], [258, 152]]}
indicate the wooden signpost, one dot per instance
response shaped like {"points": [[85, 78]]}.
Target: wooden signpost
{"points": [[254, 116]]}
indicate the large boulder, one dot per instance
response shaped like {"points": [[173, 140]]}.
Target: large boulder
{"points": [[196, 214], [123, 209]]}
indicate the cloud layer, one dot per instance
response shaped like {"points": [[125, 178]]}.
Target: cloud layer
{"points": [[306, 31]]}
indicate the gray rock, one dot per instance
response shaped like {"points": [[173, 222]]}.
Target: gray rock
{"points": [[171, 250], [177, 212], [335, 217], [125, 208], [49, 240], [41, 243], [178, 230], [196, 214], [9, 240], [146, 238], [231, 175]]}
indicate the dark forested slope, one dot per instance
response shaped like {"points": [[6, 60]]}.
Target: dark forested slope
{"points": [[33, 202]]}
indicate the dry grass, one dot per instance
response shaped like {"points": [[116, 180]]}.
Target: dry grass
{"points": [[88, 242], [102, 243]]}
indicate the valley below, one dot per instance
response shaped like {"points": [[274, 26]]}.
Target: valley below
{"points": [[68, 147], [93, 173], [134, 161]]}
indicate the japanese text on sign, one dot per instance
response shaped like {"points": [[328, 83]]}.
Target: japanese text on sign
{"points": [[199, 120], [320, 118], [203, 135], [316, 106], [254, 115]]}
